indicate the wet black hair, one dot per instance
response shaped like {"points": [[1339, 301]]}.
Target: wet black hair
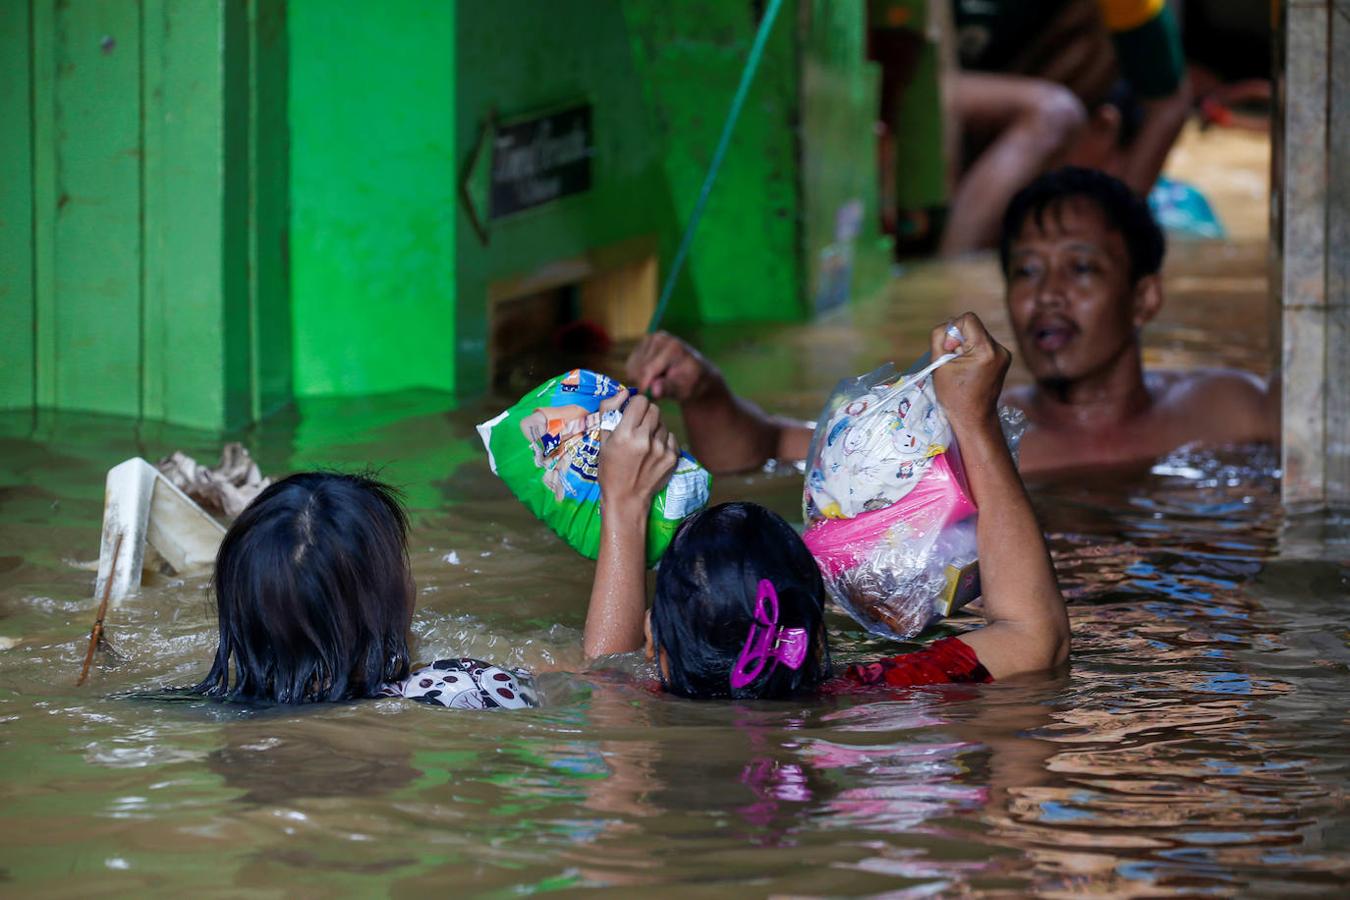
{"points": [[313, 593], [1124, 211], [706, 589]]}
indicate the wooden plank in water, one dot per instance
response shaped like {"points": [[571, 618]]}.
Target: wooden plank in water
{"points": [[183, 533], [142, 507], [126, 516]]}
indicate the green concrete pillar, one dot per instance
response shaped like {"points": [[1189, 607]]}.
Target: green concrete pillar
{"points": [[374, 194], [746, 262]]}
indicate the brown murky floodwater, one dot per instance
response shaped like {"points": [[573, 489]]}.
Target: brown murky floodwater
{"points": [[1197, 747]]}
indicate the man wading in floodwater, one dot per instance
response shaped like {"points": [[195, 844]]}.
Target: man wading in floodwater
{"points": [[1081, 255]]}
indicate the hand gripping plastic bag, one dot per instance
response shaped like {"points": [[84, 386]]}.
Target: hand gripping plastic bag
{"points": [[546, 449], [888, 516], [874, 442]]}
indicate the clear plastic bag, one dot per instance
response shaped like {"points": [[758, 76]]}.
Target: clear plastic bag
{"points": [[889, 518], [899, 569]]}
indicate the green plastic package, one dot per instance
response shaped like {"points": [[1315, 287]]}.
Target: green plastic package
{"points": [[546, 448]]}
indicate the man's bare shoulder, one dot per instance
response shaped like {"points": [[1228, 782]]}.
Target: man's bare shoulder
{"points": [[1239, 402], [1187, 386]]}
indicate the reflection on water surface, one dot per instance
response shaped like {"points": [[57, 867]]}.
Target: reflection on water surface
{"points": [[1197, 746]]}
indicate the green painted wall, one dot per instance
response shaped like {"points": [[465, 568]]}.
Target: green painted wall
{"points": [[134, 283], [387, 107], [839, 237], [16, 209], [744, 264], [87, 208], [516, 58], [231, 204], [373, 181], [660, 78]]}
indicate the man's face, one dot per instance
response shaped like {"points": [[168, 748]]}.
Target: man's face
{"points": [[1069, 294]]}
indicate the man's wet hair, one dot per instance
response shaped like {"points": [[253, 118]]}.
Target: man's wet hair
{"points": [[314, 593], [706, 591], [1124, 211]]}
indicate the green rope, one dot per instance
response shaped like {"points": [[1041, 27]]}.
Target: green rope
{"points": [[747, 76]]}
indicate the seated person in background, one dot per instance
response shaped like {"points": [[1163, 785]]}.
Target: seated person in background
{"points": [[1122, 57], [1094, 82], [1081, 255]]}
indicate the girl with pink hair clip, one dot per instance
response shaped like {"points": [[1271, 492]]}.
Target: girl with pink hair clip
{"points": [[738, 610]]}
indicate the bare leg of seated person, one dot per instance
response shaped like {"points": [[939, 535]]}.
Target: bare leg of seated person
{"points": [[1033, 122]]}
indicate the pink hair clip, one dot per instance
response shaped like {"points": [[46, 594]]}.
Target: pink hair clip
{"points": [[767, 643]]}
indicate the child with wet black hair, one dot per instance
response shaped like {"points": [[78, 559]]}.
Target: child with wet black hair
{"points": [[727, 564], [314, 600], [739, 605]]}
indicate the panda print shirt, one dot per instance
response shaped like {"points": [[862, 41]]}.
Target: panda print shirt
{"points": [[466, 684]]}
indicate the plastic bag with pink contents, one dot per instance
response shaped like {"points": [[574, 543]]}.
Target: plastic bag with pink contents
{"points": [[888, 516]]}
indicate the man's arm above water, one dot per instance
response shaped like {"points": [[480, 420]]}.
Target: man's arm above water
{"points": [[726, 433]]}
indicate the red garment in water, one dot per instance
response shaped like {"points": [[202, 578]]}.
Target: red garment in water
{"points": [[942, 662]]}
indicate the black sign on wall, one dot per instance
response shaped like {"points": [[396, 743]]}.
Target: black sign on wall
{"points": [[536, 161]]}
